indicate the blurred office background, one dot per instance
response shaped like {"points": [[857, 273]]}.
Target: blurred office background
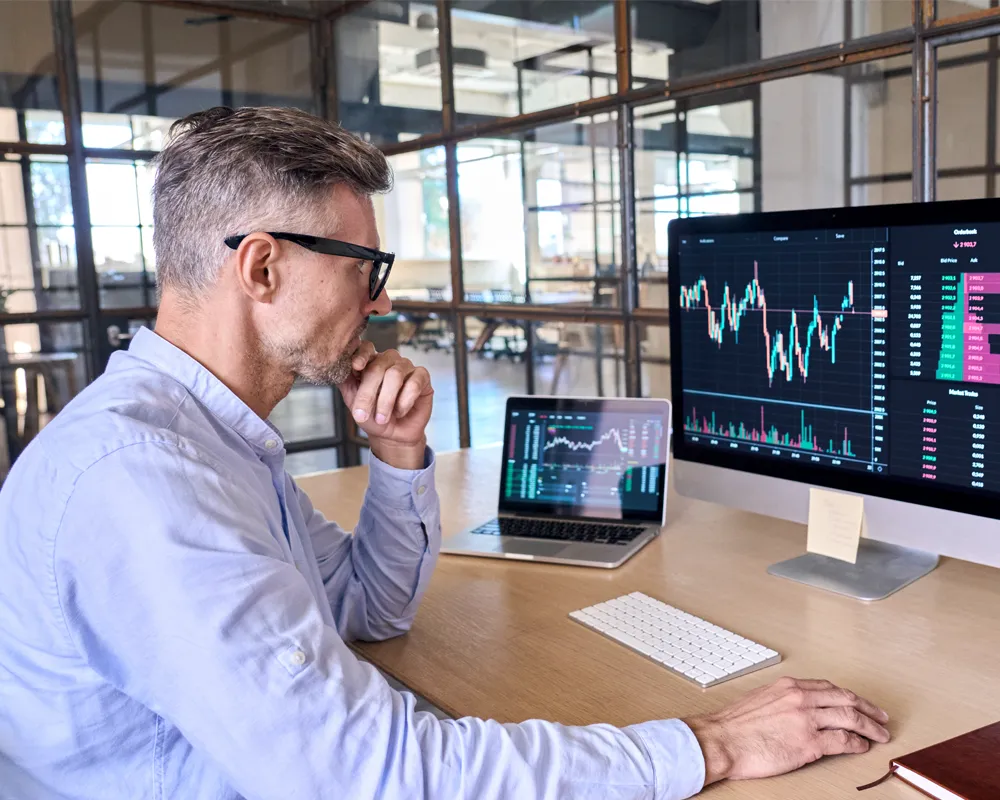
{"points": [[540, 148]]}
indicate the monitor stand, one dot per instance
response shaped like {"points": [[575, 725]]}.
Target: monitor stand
{"points": [[881, 569]]}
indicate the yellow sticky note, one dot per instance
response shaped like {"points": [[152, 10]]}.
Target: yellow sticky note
{"points": [[835, 521]]}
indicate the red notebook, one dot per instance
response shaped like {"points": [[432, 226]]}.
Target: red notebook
{"points": [[963, 768]]}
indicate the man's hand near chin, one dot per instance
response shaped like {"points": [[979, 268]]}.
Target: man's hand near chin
{"points": [[390, 400]]}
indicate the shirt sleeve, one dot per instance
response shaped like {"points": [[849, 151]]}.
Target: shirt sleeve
{"points": [[173, 593], [375, 579]]}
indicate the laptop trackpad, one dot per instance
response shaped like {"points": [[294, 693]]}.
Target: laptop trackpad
{"points": [[530, 548]]}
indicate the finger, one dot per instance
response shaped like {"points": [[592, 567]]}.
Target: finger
{"points": [[368, 388], [811, 684], [794, 692], [832, 698], [349, 389], [392, 382], [363, 356], [835, 743], [850, 719], [418, 383]]}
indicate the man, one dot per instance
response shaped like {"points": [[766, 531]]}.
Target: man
{"points": [[173, 612]]}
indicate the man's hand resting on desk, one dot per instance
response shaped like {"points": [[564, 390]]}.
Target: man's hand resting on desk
{"points": [[784, 726], [390, 400]]}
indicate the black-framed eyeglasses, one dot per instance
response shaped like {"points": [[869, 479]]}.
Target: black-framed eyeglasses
{"points": [[381, 262]]}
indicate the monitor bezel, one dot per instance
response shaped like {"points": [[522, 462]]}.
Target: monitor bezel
{"points": [[659, 406], [909, 490]]}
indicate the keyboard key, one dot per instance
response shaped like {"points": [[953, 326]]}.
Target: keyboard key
{"points": [[684, 644], [569, 531]]}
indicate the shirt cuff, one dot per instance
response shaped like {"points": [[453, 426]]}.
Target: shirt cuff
{"points": [[678, 763], [403, 489]]}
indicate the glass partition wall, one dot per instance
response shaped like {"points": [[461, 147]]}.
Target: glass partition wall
{"points": [[540, 150]]}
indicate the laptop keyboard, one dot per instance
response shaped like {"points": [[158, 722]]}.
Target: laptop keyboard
{"points": [[598, 533]]}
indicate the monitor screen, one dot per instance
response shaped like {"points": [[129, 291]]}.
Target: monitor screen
{"points": [[604, 459], [857, 348]]}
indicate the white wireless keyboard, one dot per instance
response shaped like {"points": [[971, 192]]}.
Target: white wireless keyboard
{"points": [[685, 644]]}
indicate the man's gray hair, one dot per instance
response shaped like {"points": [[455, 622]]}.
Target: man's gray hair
{"points": [[227, 172]]}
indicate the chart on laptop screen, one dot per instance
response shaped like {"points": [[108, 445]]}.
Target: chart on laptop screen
{"points": [[595, 460]]}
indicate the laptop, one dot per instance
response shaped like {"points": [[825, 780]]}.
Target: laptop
{"points": [[583, 482]]}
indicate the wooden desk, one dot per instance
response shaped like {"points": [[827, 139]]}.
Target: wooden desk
{"points": [[492, 638]]}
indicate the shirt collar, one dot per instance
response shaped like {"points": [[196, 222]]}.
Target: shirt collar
{"points": [[207, 389]]}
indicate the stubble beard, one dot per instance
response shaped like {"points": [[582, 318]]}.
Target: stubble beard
{"points": [[319, 374]]}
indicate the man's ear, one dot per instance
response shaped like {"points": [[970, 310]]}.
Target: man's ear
{"points": [[256, 267]]}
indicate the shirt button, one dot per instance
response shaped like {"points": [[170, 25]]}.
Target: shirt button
{"points": [[270, 444], [298, 658], [421, 490]]}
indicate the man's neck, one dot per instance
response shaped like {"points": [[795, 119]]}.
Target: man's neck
{"points": [[224, 343]]}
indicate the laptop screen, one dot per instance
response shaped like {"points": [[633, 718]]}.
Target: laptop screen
{"points": [[596, 458]]}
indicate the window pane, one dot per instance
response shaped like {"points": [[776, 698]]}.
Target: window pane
{"points": [[118, 255], [111, 188], [524, 57], [144, 65], [44, 368], [966, 187], [881, 117], [144, 174], [388, 72], [573, 213], [805, 121], [497, 369], [578, 359], [957, 8], [37, 248], [654, 349], [962, 88], [678, 40], [12, 208], [492, 212], [50, 191], [120, 212], [711, 177], [123, 131], [310, 461], [306, 413], [873, 194], [413, 221], [429, 341], [29, 90]]}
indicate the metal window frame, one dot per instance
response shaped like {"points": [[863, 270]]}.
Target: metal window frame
{"points": [[921, 40]]}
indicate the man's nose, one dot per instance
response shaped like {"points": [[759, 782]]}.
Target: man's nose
{"points": [[381, 305]]}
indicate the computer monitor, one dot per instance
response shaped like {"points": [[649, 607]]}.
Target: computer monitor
{"points": [[855, 349]]}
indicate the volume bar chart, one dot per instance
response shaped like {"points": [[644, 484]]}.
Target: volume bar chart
{"points": [[970, 328], [803, 439], [789, 427]]}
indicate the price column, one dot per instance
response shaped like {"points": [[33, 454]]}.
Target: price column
{"points": [[880, 375]]}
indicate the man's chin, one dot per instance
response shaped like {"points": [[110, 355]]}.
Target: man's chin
{"points": [[330, 375]]}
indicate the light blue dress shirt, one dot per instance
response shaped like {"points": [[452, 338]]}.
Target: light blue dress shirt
{"points": [[173, 615]]}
